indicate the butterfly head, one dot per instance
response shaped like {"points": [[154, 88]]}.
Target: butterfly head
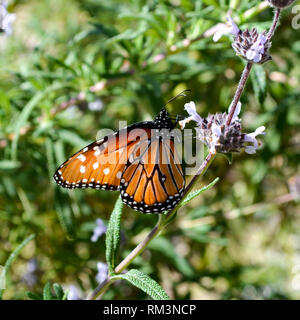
{"points": [[163, 121]]}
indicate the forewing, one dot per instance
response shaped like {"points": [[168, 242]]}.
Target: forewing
{"points": [[100, 165]]}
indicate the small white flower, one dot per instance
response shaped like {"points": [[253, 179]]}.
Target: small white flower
{"points": [[236, 111], [257, 49], [6, 19], [251, 137], [102, 272], [232, 29], [99, 230], [216, 133], [190, 107]]}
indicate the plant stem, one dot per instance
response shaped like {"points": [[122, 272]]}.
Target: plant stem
{"points": [[274, 24], [239, 91]]}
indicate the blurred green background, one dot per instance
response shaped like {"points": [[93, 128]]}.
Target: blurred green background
{"points": [[239, 240]]}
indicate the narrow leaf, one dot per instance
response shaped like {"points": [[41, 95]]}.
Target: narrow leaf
{"points": [[64, 212], [10, 260], [34, 296], [195, 193], [145, 283], [47, 294], [58, 291], [9, 164], [72, 138], [21, 121], [113, 235], [24, 115], [127, 35]]}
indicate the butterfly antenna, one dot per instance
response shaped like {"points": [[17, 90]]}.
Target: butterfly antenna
{"points": [[181, 94]]}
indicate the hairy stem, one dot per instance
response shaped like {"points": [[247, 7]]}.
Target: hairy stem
{"points": [[274, 23], [239, 91]]}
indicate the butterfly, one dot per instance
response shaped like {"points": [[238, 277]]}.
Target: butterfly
{"points": [[140, 161]]}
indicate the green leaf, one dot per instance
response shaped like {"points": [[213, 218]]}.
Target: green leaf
{"points": [[24, 115], [50, 157], [34, 296], [47, 294], [61, 64], [21, 121], [72, 138], [10, 260], [195, 193], [64, 212], [113, 235], [65, 296], [258, 78], [58, 291], [145, 283], [127, 35], [9, 164], [166, 249]]}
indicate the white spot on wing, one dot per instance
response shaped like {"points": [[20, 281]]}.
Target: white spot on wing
{"points": [[96, 165], [81, 157], [119, 174], [82, 169], [106, 171]]}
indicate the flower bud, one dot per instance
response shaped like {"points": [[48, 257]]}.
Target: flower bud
{"points": [[280, 3]]}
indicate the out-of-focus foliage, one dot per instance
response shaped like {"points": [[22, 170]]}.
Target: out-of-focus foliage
{"points": [[240, 239]]}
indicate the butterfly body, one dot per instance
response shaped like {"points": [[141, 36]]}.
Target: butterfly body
{"points": [[140, 161]]}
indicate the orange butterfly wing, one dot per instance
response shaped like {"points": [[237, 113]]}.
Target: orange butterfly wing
{"points": [[100, 165], [143, 166], [153, 181]]}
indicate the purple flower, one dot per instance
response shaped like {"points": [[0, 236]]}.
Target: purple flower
{"points": [[96, 105], [257, 49], [248, 44], [73, 293], [30, 276], [102, 272], [232, 29], [217, 135], [99, 230], [251, 137]]}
